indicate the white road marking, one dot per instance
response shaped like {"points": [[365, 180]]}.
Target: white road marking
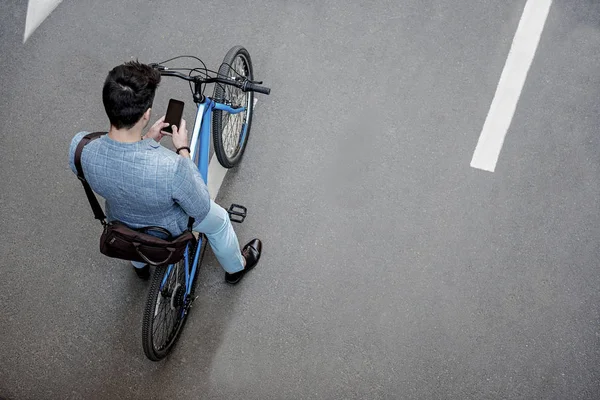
{"points": [[37, 12], [216, 173], [511, 83]]}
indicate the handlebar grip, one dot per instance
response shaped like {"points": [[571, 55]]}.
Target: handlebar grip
{"points": [[257, 88]]}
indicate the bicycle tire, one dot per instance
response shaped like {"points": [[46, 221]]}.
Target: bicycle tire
{"points": [[170, 295], [227, 145]]}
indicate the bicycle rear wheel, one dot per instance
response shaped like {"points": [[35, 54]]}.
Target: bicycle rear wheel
{"points": [[166, 309], [231, 131]]}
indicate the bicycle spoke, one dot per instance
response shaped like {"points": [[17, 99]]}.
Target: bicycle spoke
{"points": [[164, 335], [157, 328], [168, 309]]}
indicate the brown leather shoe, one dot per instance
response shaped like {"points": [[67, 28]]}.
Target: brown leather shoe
{"points": [[251, 253]]}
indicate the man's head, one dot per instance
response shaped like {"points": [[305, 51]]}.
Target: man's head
{"points": [[128, 93]]}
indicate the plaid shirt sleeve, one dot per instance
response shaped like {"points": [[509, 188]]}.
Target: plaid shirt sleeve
{"points": [[189, 189], [72, 149]]}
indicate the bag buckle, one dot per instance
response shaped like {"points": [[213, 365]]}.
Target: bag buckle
{"points": [[237, 213]]}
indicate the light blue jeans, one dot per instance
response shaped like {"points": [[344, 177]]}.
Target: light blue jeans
{"points": [[223, 240]]}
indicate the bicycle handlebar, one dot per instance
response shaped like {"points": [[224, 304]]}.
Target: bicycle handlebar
{"points": [[256, 88], [246, 85]]}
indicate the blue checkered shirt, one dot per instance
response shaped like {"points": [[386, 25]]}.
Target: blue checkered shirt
{"points": [[143, 183]]}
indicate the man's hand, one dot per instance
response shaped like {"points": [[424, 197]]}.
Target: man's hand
{"points": [[180, 136], [156, 131]]}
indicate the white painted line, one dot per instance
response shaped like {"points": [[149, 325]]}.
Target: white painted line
{"points": [[37, 12], [216, 173], [511, 83]]}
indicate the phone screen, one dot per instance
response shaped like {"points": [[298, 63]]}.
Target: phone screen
{"points": [[174, 114]]}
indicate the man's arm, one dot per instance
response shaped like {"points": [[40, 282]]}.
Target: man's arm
{"points": [[189, 189], [180, 139], [74, 142], [184, 153]]}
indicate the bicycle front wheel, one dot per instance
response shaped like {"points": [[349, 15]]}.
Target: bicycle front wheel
{"points": [[231, 131], [166, 311]]}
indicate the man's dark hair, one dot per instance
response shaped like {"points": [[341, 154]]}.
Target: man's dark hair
{"points": [[128, 92]]}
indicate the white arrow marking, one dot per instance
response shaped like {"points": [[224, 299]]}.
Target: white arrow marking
{"points": [[37, 12], [511, 84]]}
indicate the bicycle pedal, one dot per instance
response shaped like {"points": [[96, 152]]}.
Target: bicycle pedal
{"points": [[237, 213]]}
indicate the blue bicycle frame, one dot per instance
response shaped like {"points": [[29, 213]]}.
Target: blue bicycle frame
{"points": [[200, 148]]}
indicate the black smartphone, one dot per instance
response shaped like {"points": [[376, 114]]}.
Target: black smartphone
{"points": [[174, 114]]}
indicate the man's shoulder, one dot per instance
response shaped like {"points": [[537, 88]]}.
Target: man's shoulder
{"points": [[74, 142], [77, 138]]}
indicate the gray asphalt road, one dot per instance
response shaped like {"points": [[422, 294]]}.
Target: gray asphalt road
{"points": [[392, 270]]}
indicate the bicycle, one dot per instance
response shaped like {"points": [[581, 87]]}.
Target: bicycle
{"points": [[172, 287]]}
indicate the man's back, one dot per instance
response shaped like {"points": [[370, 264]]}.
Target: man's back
{"points": [[143, 183]]}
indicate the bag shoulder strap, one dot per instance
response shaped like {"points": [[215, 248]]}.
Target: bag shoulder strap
{"points": [[98, 213], [96, 208]]}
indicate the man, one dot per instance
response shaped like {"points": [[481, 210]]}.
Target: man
{"points": [[145, 184]]}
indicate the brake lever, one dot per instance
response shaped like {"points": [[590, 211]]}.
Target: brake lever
{"points": [[245, 80], [157, 66]]}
